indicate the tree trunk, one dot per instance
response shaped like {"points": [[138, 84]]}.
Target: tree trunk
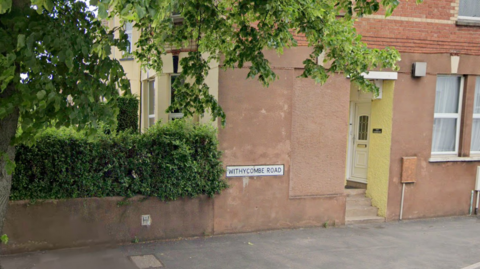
{"points": [[8, 128]]}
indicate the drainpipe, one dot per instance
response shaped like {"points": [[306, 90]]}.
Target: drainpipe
{"points": [[401, 203], [476, 208], [477, 188], [471, 202]]}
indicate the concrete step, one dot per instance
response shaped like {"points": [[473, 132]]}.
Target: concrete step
{"points": [[363, 220], [358, 210], [359, 200], [355, 192]]}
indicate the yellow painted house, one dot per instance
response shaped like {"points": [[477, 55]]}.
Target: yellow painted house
{"points": [[155, 90]]}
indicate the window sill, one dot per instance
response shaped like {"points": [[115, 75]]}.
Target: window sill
{"points": [[126, 59], [467, 22], [453, 159]]}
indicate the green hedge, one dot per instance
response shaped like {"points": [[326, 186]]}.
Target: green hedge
{"points": [[128, 113], [168, 161]]}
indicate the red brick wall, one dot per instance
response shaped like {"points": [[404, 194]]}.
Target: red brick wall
{"points": [[432, 29], [429, 9], [420, 37], [425, 28]]}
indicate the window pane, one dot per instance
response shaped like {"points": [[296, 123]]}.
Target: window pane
{"points": [[151, 122], [172, 92], [475, 135], [363, 128], [475, 145], [151, 97], [444, 135], [128, 26], [129, 48], [447, 94], [469, 8], [128, 32], [476, 106]]}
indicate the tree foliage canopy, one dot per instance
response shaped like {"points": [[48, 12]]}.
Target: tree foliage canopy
{"points": [[54, 50], [240, 30], [57, 60]]}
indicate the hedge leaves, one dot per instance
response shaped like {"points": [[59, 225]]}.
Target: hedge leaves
{"points": [[168, 161]]}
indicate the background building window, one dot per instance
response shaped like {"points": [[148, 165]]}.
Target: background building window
{"points": [[469, 9], [475, 145], [176, 113], [128, 32], [446, 124], [151, 102]]}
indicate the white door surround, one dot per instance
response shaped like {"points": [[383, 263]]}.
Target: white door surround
{"points": [[358, 146]]}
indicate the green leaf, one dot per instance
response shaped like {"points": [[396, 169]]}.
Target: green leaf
{"points": [[51, 95], [41, 94], [93, 2], [4, 239], [5, 77], [20, 41], [10, 167], [40, 4], [48, 4], [102, 11], [69, 59], [5, 6], [141, 12], [11, 57]]}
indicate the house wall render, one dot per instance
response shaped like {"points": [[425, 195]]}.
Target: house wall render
{"points": [[275, 125], [442, 188], [54, 224]]}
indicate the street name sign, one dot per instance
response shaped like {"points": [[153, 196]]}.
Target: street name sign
{"points": [[255, 170]]}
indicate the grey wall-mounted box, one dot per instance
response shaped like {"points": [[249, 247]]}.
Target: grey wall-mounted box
{"points": [[419, 69]]}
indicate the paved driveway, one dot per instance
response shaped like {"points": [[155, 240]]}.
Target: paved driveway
{"points": [[434, 243]]}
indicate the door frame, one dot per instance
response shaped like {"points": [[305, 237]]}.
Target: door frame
{"points": [[351, 132]]}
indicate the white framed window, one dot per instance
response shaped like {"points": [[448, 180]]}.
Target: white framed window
{"points": [[448, 106], [469, 10], [475, 144], [176, 12], [176, 113], [151, 102], [129, 33]]}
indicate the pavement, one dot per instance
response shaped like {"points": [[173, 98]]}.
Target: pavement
{"points": [[431, 243]]}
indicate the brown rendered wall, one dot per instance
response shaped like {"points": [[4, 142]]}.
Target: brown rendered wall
{"points": [[319, 131], [264, 126], [83, 222], [442, 189]]}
